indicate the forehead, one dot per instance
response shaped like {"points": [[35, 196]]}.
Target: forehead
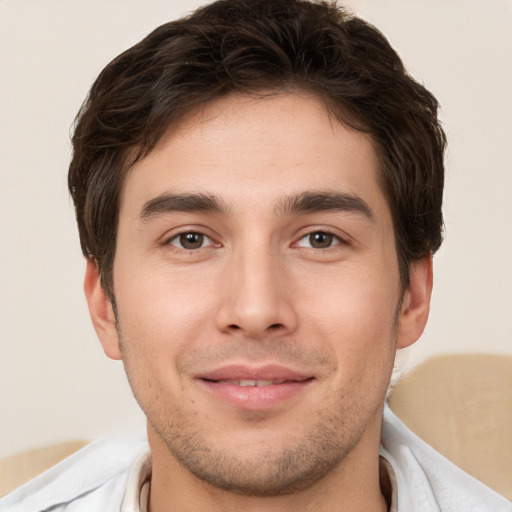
{"points": [[248, 149]]}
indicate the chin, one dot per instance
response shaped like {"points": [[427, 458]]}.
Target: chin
{"points": [[265, 468]]}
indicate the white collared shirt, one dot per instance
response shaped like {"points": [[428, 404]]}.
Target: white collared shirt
{"points": [[136, 494]]}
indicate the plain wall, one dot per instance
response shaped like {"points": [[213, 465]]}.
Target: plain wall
{"points": [[55, 382]]}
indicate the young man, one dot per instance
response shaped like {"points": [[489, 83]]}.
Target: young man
{"points": [[258, 192]]}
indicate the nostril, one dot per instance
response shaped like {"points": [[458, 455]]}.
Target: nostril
{"points": [[275, 326], [234, 326]]}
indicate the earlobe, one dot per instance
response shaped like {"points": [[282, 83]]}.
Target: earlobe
{"points": [[416, 303], [100, 309]]}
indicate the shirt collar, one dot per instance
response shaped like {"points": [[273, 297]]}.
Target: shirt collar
{"points": [[137, 486], [390, 484]]}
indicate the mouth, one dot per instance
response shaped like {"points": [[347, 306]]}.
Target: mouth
{"points": [[259, 388]]}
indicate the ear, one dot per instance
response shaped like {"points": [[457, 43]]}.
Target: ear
{"points": [[415, 303], [100, 309]]}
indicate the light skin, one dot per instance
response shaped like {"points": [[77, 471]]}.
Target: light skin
{"points": [[255, 246]]}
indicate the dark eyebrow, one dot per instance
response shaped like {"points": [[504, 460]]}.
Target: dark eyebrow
{"points": [[166, 203], [312, 202]]}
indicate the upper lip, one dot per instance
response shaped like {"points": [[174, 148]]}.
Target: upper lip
{"points": [[245, 372]]}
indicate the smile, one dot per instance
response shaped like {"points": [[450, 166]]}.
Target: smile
{"points": [[257, 389]]}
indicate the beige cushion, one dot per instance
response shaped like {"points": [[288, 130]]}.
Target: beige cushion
{"points": [[19, 468], [462, 406]]}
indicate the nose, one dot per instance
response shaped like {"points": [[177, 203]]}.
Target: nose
{"points": [[256, 299]]}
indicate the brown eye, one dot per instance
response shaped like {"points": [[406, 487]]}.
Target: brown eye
{"points": [[189, 241], [320, 240]]}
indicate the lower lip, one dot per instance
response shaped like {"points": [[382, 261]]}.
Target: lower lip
{"points": [[256, 398]]}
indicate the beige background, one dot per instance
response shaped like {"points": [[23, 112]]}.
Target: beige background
{"points": [[55, 382]]}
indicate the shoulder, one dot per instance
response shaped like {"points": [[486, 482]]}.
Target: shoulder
{"points": [[94, 478], [426, 481]]}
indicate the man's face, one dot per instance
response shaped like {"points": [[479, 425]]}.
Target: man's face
{"points": [[258, 293]]}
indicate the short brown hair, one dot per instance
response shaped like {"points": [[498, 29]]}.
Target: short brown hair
{"points": [[252, 46]]}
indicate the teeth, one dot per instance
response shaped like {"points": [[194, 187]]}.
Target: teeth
{"points": [[250, 382], [261, 383]]}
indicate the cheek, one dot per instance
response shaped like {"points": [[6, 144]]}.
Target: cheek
{"points": [[359, 299], [158, 325], [354, 317], [160, 317]]}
